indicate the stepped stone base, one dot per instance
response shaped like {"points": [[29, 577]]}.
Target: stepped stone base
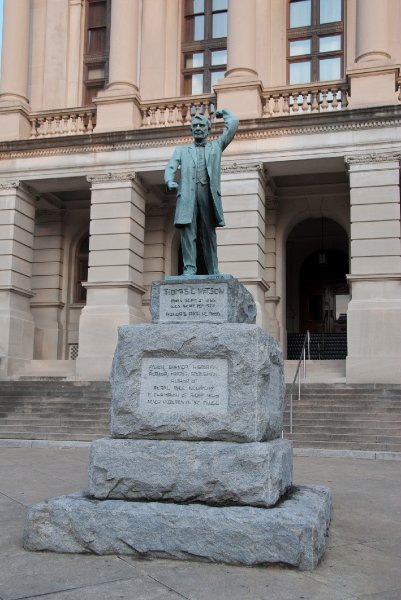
{"points": [[255, 474], [293, 533], [197, 382]]}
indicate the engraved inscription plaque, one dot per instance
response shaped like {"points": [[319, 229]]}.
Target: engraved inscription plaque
{"points": [[194, 302], [184, 385]]}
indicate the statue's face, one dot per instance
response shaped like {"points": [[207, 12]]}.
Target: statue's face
{"points": [[200, 130]]}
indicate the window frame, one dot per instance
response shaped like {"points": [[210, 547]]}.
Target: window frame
{"points": [[205, 46], [80, 257], [314, 32], [95, 59]]}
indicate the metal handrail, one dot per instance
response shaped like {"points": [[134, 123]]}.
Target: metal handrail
{"points": [[302, 360]]}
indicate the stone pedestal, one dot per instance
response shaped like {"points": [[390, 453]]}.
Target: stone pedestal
{"points": [[195, 467]]}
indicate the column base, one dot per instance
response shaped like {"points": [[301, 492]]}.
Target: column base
{"points": [[108, 308], [372, 87], [17, 328], [117, 110], [377, 369], [242, 95], [14, 121]]}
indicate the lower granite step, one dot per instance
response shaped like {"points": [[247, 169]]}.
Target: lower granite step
{"points": [[293, 532]]}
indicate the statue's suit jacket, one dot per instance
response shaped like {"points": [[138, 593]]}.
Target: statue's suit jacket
{"points": [[184, 158]]}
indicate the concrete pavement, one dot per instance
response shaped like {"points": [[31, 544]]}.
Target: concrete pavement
{"points": [[362, 561]]}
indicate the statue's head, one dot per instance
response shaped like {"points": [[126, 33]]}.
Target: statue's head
{"points": [[200, 127]]}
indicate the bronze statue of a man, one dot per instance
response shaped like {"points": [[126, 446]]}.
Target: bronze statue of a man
{"points": [[199, 209]]}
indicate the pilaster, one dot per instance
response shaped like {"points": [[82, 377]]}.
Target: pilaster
{"points": [[272, 299], [115, 279], [47, 282], [374, 313], [241, 243], [17, 217]]}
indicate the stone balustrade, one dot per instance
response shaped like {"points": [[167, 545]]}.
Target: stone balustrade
{"points": [[75, 121], [305, 98], [176, 111]]}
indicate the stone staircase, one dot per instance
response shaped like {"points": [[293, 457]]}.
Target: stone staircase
{"points": [[329, 415], [346, 417], [54, 409]]}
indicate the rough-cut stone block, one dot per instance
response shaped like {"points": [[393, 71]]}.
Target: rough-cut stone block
{"points": [[254, 474], [202, 299], [293, 533], [220, 382]]}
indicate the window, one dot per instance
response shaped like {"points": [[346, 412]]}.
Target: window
{"points": [[315, 48], [97, 41], [81, 269], [204, 48]]}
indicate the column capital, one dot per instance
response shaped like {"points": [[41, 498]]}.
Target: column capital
{"points": [[238, 167], [372, 157]]}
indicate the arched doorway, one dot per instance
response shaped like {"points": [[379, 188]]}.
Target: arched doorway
{"points": [[317, 289]]}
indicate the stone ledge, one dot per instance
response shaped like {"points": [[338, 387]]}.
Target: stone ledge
{"points": [[293, 533], [215, 473]]}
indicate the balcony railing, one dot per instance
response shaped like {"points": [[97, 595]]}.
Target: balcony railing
{"points": [[171, 112], [177, 111], [72, 121], [305, 98]]}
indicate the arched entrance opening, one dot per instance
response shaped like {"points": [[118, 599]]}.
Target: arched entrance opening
{"points": [[317, 289]]}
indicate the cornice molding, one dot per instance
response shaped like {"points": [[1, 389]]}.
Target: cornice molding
{"points": [[241, 167], [372, 157], [100, 178], [256, 129]]}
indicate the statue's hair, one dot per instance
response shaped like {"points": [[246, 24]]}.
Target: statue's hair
{"points": [[202, 119]]}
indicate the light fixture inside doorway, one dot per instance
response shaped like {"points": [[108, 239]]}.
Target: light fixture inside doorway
{"points": [[322, 252]]}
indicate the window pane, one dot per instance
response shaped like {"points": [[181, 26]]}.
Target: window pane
{"points": [[330, 43], [329, 69], [300, 13], [300, 72], [194, 6], [95, 73], [219, 25], [219, 57], [194, 60], [195, 28], [298, 47], [330, 11], [216, 75], [219, 5], [97, 41], [193, 84]]}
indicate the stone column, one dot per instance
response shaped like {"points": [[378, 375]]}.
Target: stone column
{"points": [[374, 313], [118, 105], [115, 279], [241, 243], [14, 109], [373, 75], [47, 281], [241, 89], [153, 67], [17, 218]]}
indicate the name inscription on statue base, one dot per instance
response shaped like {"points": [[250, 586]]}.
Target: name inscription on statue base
{"points": [[184, 385], [206, 302]]}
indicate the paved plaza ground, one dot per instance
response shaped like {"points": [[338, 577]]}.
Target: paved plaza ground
{"points": [[362, 561]]}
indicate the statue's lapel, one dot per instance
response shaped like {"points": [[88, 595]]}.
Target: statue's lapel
{"points": [[192, 151]]}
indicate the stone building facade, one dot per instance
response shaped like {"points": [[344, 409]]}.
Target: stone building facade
{"points": [[94, 96]]}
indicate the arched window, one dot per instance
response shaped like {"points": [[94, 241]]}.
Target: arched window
{"points": [[81, 269]]}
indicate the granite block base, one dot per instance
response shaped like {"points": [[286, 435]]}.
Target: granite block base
{"points": [[294, 532], [216, 473], [206, 382]]}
